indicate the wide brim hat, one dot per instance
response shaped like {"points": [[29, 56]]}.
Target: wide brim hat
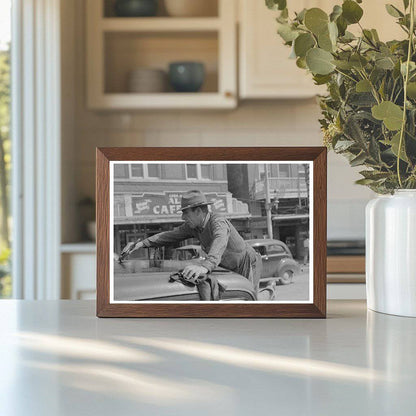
{"points": [[193, 199]]}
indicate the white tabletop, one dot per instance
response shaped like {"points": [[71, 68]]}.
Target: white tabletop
{"points": [[57, 358]]}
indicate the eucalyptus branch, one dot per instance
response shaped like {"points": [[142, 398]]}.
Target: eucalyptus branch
{"points": [[392, 90], [369, 41], [373, 89], [346, 75], [397, 95], [406, 79]]}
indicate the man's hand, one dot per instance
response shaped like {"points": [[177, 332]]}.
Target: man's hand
{"points": [[130, 247], [193, 271]]}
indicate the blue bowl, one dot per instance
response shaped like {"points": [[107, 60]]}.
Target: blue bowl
{"points": [[186, 76], [135, 8]]}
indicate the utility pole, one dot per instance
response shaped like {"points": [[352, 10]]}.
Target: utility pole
{"points": [[268, 204]]}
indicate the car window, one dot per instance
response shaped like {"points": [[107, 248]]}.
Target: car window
{"points": [[275, 249], [260, 249]]}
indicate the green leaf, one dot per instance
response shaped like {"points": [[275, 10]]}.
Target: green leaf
{"points": [[336, 12], [377, 74], [374, 175], [319, 61], [375, 35], [394, 143], [276, 4], [363, 86], [343, 145], [300, 17], [348, 37], [396, 71], [351, 11], [354, 131], [411, 90], [381, 89], [303, 43], [301, 63], [342, 25], [364, 181], [333, 32], [341, 64], [390, 113], [374, 150], [361, 99], [321, 79], [325, 43], [368, 36], [406, 4], [358, 61], [385, 63], [393, 11], [286, 32], [316, 20], [358, 160], [412, 67]]}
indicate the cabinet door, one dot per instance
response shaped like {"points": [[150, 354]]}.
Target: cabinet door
{"points": [[265, 68]]}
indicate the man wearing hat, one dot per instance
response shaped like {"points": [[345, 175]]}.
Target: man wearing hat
{"points": [[218, 238]]}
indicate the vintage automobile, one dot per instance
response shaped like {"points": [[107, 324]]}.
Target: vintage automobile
{"points": [[141, 280], [277, 260]]}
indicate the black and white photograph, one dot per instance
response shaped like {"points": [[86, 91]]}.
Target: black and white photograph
{"points": [[211, 231]]}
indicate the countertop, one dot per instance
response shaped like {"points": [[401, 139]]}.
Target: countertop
{"points": [[57, 358]]}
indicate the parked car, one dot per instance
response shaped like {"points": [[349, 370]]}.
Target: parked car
{"points": [[277, 260], [155, 286], [138, 280]]}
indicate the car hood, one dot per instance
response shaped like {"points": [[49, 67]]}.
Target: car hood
{"points": [[156, 286]]}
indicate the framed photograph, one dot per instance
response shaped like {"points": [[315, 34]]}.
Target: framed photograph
{"points": [[211, 232]]}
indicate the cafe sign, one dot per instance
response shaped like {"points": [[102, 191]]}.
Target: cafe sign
{"points": [[169, 204]]}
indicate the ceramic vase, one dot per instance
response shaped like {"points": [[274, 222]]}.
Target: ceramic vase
{"points": [[391, 253]]}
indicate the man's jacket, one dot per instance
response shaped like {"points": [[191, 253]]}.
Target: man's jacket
{"points": [[220, 240]]}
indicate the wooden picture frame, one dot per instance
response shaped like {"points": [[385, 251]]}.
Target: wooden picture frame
{"points": [[315, 157]]}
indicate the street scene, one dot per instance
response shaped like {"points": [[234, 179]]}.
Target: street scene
{"points": [[162, 214]]}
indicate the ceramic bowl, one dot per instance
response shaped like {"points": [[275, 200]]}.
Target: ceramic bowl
{"points": [[135, 8], [147, 80], [186, 76]]}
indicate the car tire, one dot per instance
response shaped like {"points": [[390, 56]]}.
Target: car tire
{"points": [[286, 276]]}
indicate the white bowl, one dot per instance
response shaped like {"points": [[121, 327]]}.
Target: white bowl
{"points": [[191, 8], [146, 80]]}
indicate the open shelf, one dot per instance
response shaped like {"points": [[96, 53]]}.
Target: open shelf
{"points": [[116, 46], [127, 51]]}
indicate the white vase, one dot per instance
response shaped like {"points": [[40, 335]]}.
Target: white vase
{"points": [[391, 253]]}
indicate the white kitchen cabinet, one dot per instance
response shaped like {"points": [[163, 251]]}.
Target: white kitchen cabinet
{"points": [[78, 271], [118, 45], [265, 70]]}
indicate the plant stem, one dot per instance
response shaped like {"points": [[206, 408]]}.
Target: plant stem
{"points": [[406, 78], [373, 90], [345, 75]]}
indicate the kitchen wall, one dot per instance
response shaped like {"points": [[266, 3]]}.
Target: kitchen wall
{"points": [[253, 123]]}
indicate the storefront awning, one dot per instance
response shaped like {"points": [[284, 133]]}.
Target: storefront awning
{"points": [[171, 219], [288, 217]]}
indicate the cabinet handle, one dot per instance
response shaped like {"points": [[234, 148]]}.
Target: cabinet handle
{"points": [[228, 94]]}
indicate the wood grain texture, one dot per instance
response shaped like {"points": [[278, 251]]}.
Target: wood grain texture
{"points": [[221, 310], [346, 264]]}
